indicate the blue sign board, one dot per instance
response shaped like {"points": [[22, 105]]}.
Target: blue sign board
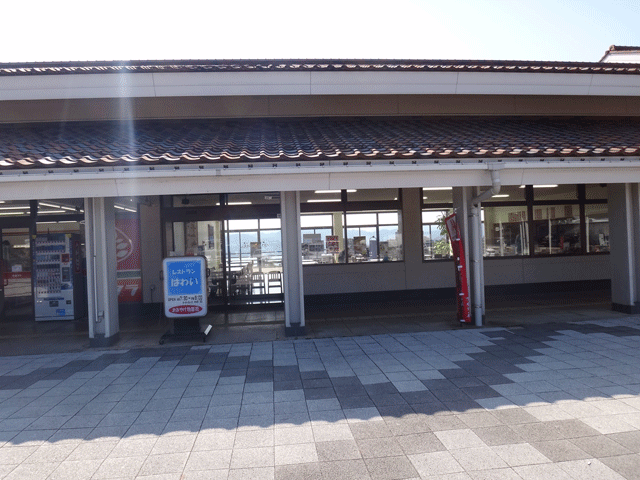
{"points": [[185, 286]]}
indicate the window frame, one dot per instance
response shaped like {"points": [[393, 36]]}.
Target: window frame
{"points": [[345, 207]]}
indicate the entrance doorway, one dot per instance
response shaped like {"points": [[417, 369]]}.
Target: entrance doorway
{"points": [[16, 299], [243, 248]]}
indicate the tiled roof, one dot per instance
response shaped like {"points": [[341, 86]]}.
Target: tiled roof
{"points": [[328, 65], [268, 140]]}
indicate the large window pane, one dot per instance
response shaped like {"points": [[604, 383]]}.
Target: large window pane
{"points": [[556, 229], [509, 193], [369, 195], [506, 231], [597, 191], [554, 192], [322, 238], [597, 225], [437, 195], [372, 238], [435, 241]]}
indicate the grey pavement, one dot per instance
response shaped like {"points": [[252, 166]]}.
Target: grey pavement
{"points": [[547, 401]]}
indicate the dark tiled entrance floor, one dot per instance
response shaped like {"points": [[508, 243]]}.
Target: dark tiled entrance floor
{"points": [[28, 337], [550, 400]]}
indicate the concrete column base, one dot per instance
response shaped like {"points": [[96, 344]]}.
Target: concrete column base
{"points": [[630, 309], [295, 330], [100, 341]]}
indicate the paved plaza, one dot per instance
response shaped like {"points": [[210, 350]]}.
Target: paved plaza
{"points": [[549, 401]]}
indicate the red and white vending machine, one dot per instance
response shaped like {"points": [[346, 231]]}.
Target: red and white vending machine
{"points": [[57, 277]]}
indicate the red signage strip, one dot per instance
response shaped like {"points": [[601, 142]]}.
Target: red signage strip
{"points": [[462, 288]]}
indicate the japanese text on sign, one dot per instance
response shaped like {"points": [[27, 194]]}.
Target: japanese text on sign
{"points": [[185, 286]]}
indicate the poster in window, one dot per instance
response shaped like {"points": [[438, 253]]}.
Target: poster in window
{"points": [[333, 244], [256, 249], [129, 264]]}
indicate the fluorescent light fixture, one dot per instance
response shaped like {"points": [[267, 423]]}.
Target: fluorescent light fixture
{"points": [[323, 200], [13, 213], [119, 207], [23, 207], [500, 195], [541, 186], [239, 203], [51, 205], [334, 191], [44, 204], [44, 212], [62, 221], [437, 188]]}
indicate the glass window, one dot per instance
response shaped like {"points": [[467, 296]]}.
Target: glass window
{"points": [[506, 231], [266, 198], [597, 226], [596, 191], [509, 193], [14, 208], [67, 206], [435, 241], [322, 238], [554, 192], [320, 196], [372, 195], [437, 195], [556, 229], [371, 240], [195, 200]]}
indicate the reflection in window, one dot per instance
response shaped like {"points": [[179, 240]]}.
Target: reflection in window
{"points": [[506, 231], [597, 225], [322, 238], [435, 241], [370, 237], [556, 229], [374, 237]]}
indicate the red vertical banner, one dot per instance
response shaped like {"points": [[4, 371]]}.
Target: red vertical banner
{"points": [[462, 288], [129, 269]]}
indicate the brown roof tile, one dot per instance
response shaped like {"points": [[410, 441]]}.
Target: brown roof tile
{"points": [[174, 66], [267, 140]]}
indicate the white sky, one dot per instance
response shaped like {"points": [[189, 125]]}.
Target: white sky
{"points": [[65, 30]]}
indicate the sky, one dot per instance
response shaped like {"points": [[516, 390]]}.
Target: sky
{"points": [[551, 30]]}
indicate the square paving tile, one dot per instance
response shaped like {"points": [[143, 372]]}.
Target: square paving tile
{"points": [[478, 458], [435, 464], [301, 453], [389, 468]]}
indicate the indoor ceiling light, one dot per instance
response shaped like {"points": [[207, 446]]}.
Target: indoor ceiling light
{"points": [[541, 186], [126, 209], [334, 191], [239, 203], [500, 195], [323, 200]]}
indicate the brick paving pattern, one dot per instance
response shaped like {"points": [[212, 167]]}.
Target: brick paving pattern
{"points": [[556, 401]]}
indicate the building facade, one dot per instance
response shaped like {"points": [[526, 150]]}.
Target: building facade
{"points": [[314, 180]]}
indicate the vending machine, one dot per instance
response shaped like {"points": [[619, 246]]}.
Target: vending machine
{"points": [[57, 273]]}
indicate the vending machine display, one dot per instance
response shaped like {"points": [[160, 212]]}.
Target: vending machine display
{"points": [[58, 277]]}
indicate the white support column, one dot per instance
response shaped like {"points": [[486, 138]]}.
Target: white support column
{"points": [[292, 264], [102, 292], [624, 242]]}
